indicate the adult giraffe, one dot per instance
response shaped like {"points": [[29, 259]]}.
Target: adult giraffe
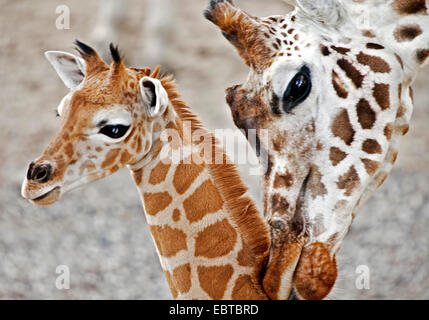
{"points": [[212, 241], [332, 83]]}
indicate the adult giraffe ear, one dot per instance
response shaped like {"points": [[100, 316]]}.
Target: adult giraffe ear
{"points": [[70, 69], [326, 12], [154, 96]]}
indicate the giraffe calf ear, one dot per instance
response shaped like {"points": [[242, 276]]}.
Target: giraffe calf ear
{"points": [[70, 69], [154, 96]]}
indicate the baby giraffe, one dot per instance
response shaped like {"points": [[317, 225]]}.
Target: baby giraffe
{"points": [[211, 240]]}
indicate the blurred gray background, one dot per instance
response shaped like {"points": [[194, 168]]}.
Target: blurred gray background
{"points": [[99, 231]]}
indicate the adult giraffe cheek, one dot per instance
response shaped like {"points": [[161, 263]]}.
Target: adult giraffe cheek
{"points": [[316, 273]]}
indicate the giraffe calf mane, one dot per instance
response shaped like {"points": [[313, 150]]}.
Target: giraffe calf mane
{"points": [[228, 181]]}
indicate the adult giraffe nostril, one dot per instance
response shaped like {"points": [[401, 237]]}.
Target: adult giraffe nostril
{"points": [[40, 173]]}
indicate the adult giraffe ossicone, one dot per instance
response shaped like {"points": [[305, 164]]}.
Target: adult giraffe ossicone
{"points": [[211, 240], [332, 82]]}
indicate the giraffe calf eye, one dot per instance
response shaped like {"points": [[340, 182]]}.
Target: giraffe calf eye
{"points": [[298, 90], [114, 131]]}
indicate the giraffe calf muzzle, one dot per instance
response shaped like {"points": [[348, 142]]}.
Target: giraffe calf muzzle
{"points": [[38, 186]]}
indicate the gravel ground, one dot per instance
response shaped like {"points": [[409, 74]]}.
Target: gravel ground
{"points": [[100, 232]]}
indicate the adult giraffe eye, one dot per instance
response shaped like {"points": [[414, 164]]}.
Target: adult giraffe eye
{"points": [[298, 89], [114, 131]]}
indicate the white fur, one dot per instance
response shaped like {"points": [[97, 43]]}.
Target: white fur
{"points": [[161, 96], [70, 69], [116, 115], [327, 12]]}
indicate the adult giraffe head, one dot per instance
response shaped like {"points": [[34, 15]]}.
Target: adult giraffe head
{"points": [[107, 121], [331, 81]]}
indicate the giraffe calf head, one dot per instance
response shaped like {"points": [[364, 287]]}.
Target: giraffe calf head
{"points": [[107, 121]]}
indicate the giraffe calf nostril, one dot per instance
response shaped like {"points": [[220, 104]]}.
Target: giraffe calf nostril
{"points": [[40, 173], [30, 171]]}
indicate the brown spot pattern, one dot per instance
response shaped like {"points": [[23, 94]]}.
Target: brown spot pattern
{"points": [[176, 215], [366, 116], [216, 240], [156, 202], [371, 146], [342, 128], [370, 166], [349, 181], [169, 241], [392, 156], [376, 64], [158, 174], [139, 144], [374, 46], [401, 111], [69, 150], [336, 155], [125, 157], [381, 93], [138, 176], [283, 181], [407, 32], [199, 204], [422, 55], [279, 142], [315, 184], [388, 130], [351, 72], [403, 129], [339, 86], [368, 34], [381, 178], [214, 280], [182, 278], [110, 158], [406, 7], [325, 51], [171, 284], [185, 175], [279, 204], [341, 50], [244, 256]]}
